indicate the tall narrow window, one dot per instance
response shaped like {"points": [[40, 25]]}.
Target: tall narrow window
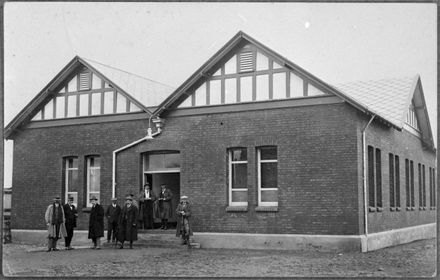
{"points": [[432, 192], [374, 179], [422, 187], [394, 182], [71, 178], [93, 178], [237, 177], [409, 182], [267, 176]]}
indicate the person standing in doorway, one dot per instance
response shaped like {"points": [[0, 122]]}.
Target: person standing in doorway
{"points": [[146, 200], [127, 225], [112, 213], [165, 205], [71, 214], [96, 223], [55, 220], [183, 228]]}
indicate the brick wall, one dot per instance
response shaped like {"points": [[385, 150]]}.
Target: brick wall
{"points": [[406, 146], [317, 170], [38, 160]]}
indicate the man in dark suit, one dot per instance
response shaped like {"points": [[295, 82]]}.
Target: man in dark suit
{"points": [[112, 213], [71, 214], [165, 205]]}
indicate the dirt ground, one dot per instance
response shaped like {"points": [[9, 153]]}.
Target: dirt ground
{"points": [[413, 259]]}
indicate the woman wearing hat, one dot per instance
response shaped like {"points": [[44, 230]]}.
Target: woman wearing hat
{"points": [[127, 230], [146, 199], [96, 223], [55, 220], [183, 212]]}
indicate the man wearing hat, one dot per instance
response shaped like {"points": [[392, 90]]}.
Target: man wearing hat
{"points": [[55, 219], [127, 230], [183, 228], [71, 214], [96, 223], [112, 213]]}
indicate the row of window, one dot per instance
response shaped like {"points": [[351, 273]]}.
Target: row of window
{"points": [[375, 183], [92, 182]]}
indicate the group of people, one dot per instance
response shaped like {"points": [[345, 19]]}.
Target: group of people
{"points": [[122, 222]]}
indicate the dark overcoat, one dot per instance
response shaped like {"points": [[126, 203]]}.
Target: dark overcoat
{"points": [[165, 204], [181, 219], [113, 214], [127, 225], [96, 222], [70, 214]]}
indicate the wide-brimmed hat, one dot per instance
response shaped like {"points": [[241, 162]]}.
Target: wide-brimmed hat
{"points": [[57, 198], [93, 198], [183, 197], [70, 198], [129, 197]]}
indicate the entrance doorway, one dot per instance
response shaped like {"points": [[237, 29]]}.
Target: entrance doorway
{"points": [[163, 168], [172, 181]]}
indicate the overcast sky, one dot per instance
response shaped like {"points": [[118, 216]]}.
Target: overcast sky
{"points": [[167, 42]]}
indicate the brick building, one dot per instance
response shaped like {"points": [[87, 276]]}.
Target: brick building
{"points": [[270, 155]]}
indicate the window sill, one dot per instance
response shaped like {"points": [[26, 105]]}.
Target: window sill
{"points": [[392, 209], [371, 209], [432, 207], [266, 209], [236, 209], [398, 208], [379, 209]]}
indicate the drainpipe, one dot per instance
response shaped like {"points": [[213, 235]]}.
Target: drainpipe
{"points": [[364, 167], [149, 136]]}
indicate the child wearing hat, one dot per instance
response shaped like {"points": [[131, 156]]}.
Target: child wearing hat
{"points": [[183, 212]]}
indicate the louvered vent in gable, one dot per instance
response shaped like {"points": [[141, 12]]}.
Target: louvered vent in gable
{"points": [[246, 61], [85, 80]]}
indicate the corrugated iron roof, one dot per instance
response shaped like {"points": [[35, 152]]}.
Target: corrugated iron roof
{"points": [[148, 92], [388, 98]]}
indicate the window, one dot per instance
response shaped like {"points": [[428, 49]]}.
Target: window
{"points": [[237, 173], [394, 182], [60, 107], [160, 162], [267, 176], [422, 187], [374, 179], [411, 118], [71, 179], [432, 192], [409, 182], [93, 178]]}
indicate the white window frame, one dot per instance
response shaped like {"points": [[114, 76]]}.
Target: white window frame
{"points": [[260, 189], [89, 204], [66, 184], [230, 163]]}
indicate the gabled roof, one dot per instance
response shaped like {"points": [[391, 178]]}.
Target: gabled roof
{"points": [[141, 91], [389, 100], [133, 84]]}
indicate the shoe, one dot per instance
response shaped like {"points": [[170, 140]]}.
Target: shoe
{"points": [[121, 247], [98, 248], [48, 250], [55, 249]]}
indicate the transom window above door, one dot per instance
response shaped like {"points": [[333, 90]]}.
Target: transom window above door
{"points": [[161, 162]]}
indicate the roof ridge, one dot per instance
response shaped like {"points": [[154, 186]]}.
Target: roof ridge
{"points": [[94, 61]]}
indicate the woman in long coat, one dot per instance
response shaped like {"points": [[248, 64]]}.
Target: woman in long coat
{"points": [[183, 228], [127, 230], [165, 205], [96, 223], [146, 201]]}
